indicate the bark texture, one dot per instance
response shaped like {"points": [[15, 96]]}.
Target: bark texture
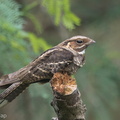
{"points": [[67, 101]]}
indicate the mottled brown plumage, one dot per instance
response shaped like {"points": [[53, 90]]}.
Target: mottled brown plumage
{"points": [[66, 57]]}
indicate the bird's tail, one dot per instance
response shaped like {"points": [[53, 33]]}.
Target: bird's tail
{"points": [[12, 92]]}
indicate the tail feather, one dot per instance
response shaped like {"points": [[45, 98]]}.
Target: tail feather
{"points": [[12, 92]]}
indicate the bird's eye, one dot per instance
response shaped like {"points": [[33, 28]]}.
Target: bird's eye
{"points": [[79, 41]]}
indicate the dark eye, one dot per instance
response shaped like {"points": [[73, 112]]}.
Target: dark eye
{"points": [[79, 41]]}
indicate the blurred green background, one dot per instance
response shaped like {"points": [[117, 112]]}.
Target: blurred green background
{"points": [[28, 27]]}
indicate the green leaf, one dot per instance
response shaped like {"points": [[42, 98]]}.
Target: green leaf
{"points": [[70, 20], [60, 10], [37, 43]]}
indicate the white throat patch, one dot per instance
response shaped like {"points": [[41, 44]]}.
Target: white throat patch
{"points": [[82, 52]]}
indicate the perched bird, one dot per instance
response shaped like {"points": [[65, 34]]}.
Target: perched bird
{"points": [[66, 57]]}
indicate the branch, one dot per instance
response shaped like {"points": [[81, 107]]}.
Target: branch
{"points": [[67, 101]]}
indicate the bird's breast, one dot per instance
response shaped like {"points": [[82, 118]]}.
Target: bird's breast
{"points": [[79, 60]]}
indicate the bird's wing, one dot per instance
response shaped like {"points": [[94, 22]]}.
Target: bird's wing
{"points": [[14, 77], [52, 61], [53, 58]]}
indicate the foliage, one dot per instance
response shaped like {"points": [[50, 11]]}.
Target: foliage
{"points": [[13, 46], [32, 17], [61, 11], [37, 43]]}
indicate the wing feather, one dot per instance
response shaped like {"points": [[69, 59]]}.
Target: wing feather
{"points": [[52, 60]]}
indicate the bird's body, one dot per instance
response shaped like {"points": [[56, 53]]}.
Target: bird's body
{"points": [[66, 57]]}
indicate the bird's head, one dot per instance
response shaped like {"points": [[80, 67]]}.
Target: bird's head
{"points": [[77, 43]]}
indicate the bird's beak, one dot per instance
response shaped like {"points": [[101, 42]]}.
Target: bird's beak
{"points": [[91, 42]]}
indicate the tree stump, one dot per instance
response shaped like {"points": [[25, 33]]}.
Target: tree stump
{"points": [[67, 101]]}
